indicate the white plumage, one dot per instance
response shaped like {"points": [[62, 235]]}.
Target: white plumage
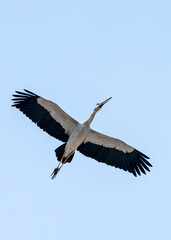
{"points": [[79, 136]]}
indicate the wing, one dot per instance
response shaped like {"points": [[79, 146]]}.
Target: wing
{"points": [[114, 152], [46, 114]]}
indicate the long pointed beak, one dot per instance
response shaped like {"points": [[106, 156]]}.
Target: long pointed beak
{"points": [[101, 104]]}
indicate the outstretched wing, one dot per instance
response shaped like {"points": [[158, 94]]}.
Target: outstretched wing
{"points": [[114, 152], [46, 114]]}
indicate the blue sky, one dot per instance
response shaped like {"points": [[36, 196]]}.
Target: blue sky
{"points": [[78, 53]]}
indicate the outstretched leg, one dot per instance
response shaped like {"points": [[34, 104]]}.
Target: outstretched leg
{"points": [[56, 170]]}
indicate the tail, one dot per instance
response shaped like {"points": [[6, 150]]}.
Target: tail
{"points": [[60, 151]]}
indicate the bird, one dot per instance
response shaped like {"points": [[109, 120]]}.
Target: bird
{"points": [[79, 135]]}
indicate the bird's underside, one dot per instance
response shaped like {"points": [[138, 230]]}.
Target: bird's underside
{"points": [[53, 120]]}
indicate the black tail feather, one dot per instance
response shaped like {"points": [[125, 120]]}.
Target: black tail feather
{"points": [[60, 151]]}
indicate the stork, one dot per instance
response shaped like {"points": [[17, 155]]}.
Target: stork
{"points": [[79, 136]]}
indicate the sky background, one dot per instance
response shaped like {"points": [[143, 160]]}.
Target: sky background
{"points": [[78, 53]]}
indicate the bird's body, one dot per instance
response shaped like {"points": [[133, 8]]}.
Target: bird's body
{"points": [[79, 136]]}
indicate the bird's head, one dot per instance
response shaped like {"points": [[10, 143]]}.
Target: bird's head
{"points": [[100, 105]]}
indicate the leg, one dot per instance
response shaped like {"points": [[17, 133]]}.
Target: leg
{"points": [[56, 170], [65, 160], [61, 160]]}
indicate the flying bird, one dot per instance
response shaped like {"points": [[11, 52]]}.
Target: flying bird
{"points": [[79, 136]]}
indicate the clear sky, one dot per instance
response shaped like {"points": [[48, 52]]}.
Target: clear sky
{"points": [[78, 53]]}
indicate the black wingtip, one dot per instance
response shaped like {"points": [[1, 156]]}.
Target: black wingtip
{"points": [[23, 95], [142, 154], [30, 92], [135, 175]]}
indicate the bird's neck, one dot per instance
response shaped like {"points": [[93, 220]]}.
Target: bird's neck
{"points": [[89, 120]]}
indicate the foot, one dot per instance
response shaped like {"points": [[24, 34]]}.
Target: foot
{"points": [[53, 175]]}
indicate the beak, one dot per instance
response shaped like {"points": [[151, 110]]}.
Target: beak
{"points": [[101, 104]]}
